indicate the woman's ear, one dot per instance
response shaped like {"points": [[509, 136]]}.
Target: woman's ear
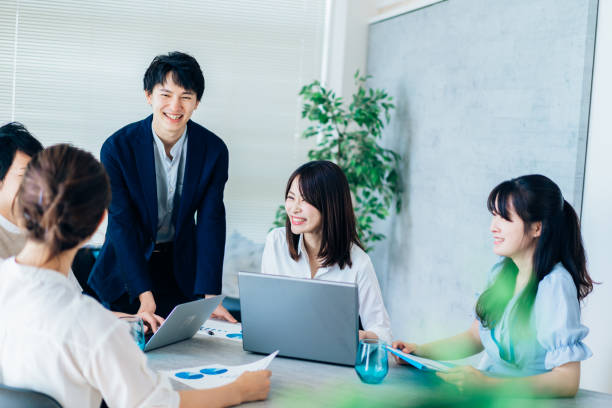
{"points": [[536, 229]]}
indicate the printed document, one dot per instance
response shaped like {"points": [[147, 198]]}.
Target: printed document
{"points": [[215, 375], [221, 330]]}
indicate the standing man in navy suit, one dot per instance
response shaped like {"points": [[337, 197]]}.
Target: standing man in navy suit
{"points": [[166, 227]]}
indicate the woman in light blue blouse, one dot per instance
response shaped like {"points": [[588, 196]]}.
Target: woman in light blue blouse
{"points": [[528, 318]]}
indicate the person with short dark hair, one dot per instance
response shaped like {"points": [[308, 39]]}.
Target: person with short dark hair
{"points": [[165, 238], [319, 241], [528, 318], [53, 339], [17, 146]]}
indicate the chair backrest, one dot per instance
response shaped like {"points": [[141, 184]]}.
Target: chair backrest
{"points": [[22, 398]]}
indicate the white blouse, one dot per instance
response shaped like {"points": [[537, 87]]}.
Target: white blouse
{"points": [[59, 342], [374, 317]]}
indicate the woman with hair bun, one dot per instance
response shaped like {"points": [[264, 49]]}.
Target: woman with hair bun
{"points": [[319, 241], [53, 339], [528, 318]]}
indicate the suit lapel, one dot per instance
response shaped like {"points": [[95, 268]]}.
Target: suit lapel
{"points": [[145, 163], [193, 171]]}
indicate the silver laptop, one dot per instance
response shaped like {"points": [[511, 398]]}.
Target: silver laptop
{"points": [[183, 322], [302, 318]]}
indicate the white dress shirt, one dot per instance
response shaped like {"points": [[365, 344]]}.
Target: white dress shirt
{"points": [[374, 317], [169, 175], [56, 341], [12, 238]]}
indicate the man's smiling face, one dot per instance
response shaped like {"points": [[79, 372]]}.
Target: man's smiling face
{"points": [[172, 108]]}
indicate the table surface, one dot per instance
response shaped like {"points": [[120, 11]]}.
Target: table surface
{"points": [[300, 383]]}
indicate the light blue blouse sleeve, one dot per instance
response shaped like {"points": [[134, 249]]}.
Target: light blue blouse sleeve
{"points": [[557, 319]]}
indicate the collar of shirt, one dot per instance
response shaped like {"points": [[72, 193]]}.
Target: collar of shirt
{"points": [[9, 226], [175, 151], [302, 249], [39, 274]]}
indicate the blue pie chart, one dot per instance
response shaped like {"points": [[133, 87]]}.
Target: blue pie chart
{"points": [[213, 371], [186, 375]]}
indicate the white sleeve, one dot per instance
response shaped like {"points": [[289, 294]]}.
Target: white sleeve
{"points": [[268, 259], [118, 369], [374, 316]]}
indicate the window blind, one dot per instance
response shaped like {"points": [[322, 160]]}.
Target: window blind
{"points": [[71, 71]]}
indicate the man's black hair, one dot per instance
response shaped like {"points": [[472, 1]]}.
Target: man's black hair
{"points": [[15, 137], [185, 71]]}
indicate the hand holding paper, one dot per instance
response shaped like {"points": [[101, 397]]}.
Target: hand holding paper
{"points": [[254, 385], [420, 362], [408, 348]]}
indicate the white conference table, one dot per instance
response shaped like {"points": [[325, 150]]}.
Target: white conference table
{"points": [[299, 383]]}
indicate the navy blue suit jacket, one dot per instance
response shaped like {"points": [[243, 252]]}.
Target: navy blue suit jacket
{"points": [[132, 223]]}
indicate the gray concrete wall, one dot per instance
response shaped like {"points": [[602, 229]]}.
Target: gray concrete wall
{"points": [[486, 90]]}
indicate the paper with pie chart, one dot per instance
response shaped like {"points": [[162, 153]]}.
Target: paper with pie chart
{"points": [[221, 330], [216, 375]]}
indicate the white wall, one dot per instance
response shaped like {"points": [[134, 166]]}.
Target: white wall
{"points": [[390, 8], [597, 211], [347, 39]]}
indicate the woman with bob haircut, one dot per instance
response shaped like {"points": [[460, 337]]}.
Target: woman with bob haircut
{"points": [[528, 318], [319, 241], [64, 344]]}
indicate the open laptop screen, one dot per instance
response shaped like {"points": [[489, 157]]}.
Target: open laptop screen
{"points": [[303, 318]]}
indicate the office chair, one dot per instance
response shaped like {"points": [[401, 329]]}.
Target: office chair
{"points": [[22, 398], [81, 267]]}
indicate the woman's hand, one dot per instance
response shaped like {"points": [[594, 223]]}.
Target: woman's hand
{"points": [[466, 377], [250, 386], [367, 335], [405, 348], [253, 385]]}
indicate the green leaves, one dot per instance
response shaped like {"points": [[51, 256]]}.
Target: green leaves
{"points": [[279, 218], [349, 137]]}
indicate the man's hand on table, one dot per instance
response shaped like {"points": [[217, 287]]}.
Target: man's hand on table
{"points": [[221, 313], [146, 311]]}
